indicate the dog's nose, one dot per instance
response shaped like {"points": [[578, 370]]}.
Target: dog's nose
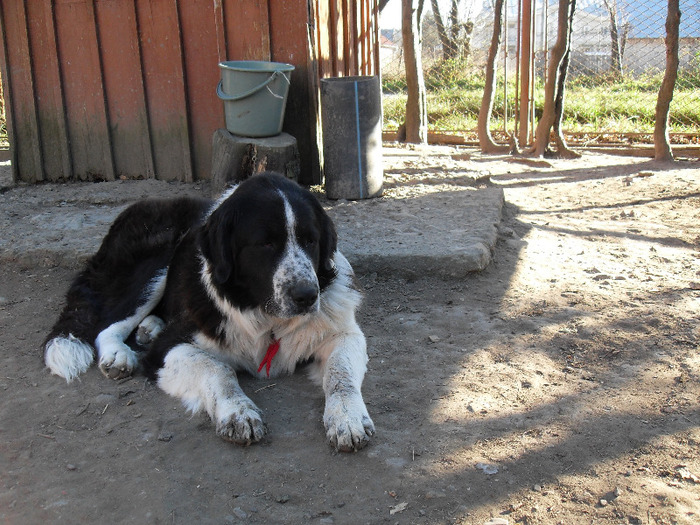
{"points": [[304, 294]]}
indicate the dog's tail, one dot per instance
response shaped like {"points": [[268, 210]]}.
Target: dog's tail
{"points": [[68, 349]]}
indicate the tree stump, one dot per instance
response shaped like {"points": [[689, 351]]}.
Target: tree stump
{"points": [[236, 158]]}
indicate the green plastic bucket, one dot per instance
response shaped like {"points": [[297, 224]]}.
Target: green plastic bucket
{"points": [[254, 95]]}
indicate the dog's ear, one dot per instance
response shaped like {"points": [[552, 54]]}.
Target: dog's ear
{"points": [[216, 243], [327, 247]]}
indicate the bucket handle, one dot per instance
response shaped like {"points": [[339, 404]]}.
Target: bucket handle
{"points": [[224, 96]]}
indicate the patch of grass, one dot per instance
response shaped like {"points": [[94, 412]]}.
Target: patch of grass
{"points": [[592, 104]]}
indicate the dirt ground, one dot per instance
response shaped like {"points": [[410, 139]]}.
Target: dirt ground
{"points": [[558, 386]]}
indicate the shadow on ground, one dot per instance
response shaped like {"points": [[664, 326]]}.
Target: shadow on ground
{"points": [[532, 391]]}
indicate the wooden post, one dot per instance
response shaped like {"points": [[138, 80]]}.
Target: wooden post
{"points": [[525, 71]]}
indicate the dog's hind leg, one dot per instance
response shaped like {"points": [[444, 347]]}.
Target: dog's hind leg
{"points": [[67, 356], [116, 358], [68, 351], [149, 329]]}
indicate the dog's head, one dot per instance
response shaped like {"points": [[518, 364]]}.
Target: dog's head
{"points": [[268, 243]]}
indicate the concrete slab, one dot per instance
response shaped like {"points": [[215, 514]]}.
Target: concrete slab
{"points": [[446, 233], [436, 220]]}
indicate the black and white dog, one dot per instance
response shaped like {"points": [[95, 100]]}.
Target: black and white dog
{"points": [[251, 282]]}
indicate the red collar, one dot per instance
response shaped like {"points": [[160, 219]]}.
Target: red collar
{"points": [[269, 355]]}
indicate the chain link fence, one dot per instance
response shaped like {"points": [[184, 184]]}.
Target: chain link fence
{"points": [[617, 63]]}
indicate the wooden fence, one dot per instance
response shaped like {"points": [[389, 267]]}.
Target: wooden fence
{"points": [[107, 89]]}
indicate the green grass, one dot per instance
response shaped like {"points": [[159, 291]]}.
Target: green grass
{"points": [[597, 104], [593, 104]]}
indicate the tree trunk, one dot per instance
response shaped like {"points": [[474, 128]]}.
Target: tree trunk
{"points": [[448, 40], [416, 108], [662, 143], [615, 56], [486, 142], [467, 46], [563, 149], [558, 65], [623, 41], [454, 29], [442, 32]]}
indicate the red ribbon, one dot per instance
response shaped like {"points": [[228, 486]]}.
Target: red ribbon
{"points": [[269, 355]]}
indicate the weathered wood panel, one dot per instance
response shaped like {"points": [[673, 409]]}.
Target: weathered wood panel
{"points": [[201, 56], [289, 42], [164, 81], [125, 95], [53, 133], [25, 136], [83, 84], [247, 28], [124, 89], [100, 89]]}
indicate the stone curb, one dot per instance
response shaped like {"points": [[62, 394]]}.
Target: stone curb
{"points": [[447, 234]]}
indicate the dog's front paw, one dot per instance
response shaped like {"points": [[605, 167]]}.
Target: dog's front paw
{"points": [[242, 424], [117, 360], [348, 425]]}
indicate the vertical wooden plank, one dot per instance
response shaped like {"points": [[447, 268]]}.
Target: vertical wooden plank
{"points": [[164, 78], [352, 34], [315, 73], [220, 26], [349, 37], [206, 115], [123, 84], [366, 29], [331, 27], [22, 101], [247, 27], [374, 4], [289, 43], [81, 71], [337, 37], [7, 92], [349, 9], [323, 39], [361, 32], [49, 92], [343, 37]]}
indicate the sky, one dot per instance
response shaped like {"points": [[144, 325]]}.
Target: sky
{"points": [[648, 16], [390, 17]]}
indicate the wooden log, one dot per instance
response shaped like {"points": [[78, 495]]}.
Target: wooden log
{"points": [[236, 158]]}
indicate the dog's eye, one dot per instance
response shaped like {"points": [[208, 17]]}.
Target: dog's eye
{"points": [[308, 242], [268, 245]]}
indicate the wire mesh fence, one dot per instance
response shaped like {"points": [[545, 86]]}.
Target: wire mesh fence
{"points": [[617, 63]]}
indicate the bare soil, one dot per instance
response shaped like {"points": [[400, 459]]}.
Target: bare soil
{"points": [[558, 386]]}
